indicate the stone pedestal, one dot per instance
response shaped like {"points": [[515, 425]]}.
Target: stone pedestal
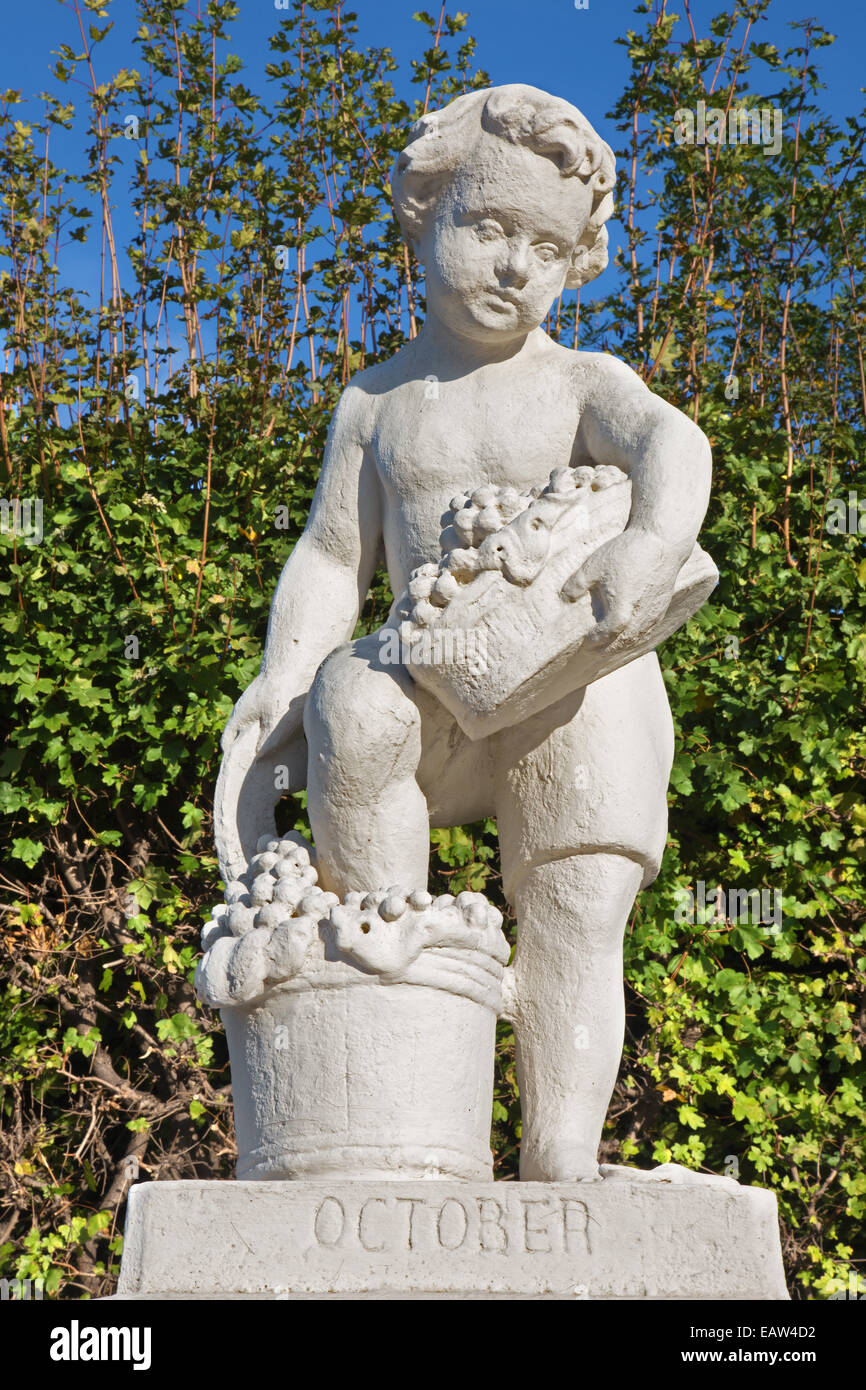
{"points": [[619, 1238]]}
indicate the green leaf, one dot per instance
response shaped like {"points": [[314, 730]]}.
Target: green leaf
{"points": [[27, 850]]}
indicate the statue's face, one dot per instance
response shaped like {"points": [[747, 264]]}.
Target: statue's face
{"points": [[498, 246]]}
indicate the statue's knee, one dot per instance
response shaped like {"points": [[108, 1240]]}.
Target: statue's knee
{"points": [[331, 709], [360, 723]]}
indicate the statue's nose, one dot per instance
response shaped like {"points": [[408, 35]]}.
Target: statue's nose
{"points": [[515, 268]]}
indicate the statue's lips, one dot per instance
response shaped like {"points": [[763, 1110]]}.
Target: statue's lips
{"points": [[500, 300]]}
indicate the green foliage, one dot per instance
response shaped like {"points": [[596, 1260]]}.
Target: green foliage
{"points": [[173, 426], [745, 1048]]}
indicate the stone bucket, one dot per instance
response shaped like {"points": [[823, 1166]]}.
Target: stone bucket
{"points": [[361, 1035]]}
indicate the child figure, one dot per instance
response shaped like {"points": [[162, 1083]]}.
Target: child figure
{"points": [[503, 196]]}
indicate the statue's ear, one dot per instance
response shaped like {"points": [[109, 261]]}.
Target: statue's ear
{"points": [[410, 216], [587, 261]]}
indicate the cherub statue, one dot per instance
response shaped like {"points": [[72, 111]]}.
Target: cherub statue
{"points": [[503, 196]]}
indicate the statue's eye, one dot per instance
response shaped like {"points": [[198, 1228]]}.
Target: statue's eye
{"points": [[547, 252], [488, 231]]}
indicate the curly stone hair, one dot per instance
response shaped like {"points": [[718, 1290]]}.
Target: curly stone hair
{"points": [[442, 140]]}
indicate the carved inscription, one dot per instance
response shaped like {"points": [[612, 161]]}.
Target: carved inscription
{"points": [[511, 1225]]}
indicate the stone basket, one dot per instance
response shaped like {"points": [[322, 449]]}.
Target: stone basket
{"points": [[361, 1035], [487, 631]]}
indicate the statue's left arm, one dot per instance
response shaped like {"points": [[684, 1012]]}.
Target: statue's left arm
{"points": [[669, 462]]}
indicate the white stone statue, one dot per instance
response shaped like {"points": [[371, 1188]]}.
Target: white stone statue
{"points": [[538, 510]]}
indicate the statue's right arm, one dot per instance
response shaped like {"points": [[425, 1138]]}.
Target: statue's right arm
{"points": [[326, 578], [315, 608]]}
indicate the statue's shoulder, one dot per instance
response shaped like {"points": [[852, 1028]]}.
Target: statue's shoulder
{"points": [[597, 366], [597, 375], [364, 395], [601, 365], [380, 378]]}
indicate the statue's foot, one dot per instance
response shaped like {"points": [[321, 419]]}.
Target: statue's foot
{"points": [[666, 1173], [562, 1161]]}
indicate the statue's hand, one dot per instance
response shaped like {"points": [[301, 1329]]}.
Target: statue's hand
{"points": [[264, 754], [262, 707], [630, 580]]}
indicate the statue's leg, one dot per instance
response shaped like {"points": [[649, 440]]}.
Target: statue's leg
{"points": [[582, 815], [367, 812], [384, 759], [569, 1012]]}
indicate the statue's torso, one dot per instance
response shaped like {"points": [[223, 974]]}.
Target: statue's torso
{"points": [[509, 424]]}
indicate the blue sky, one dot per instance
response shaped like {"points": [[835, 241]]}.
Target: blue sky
{"points": [[547, 43], [573, 53]]}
